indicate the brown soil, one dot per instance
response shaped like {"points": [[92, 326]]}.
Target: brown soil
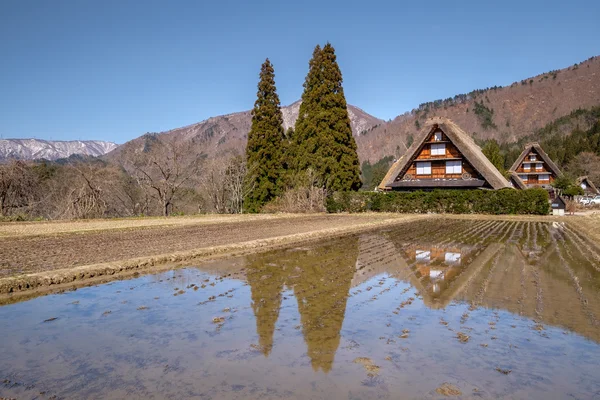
{"points": [[44, 252], [64, 252]]}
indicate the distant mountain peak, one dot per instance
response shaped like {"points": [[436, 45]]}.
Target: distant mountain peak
{"points": [[33, 149], [227, 134]]}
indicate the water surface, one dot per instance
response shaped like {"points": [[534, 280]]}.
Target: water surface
{"points": [[493, 309]]}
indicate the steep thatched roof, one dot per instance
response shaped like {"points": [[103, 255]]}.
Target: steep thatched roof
{"points": [[461, 140], [538, 149], [589, 183], [517, 181]]}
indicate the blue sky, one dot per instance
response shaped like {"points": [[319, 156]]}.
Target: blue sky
{"points": [[115, 69]]}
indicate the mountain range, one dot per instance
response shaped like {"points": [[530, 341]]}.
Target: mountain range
{"points": [[227, 134], [504, 113], [32, 149]]}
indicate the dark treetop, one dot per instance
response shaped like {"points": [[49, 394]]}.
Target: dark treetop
{"points": [[323, 137]]}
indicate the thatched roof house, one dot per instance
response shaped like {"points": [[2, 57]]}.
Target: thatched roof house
{"points": [[443, 156], [589, 189], [534, 167]]}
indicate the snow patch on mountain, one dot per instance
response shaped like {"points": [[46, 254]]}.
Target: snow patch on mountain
{"points": [[33, 149]]}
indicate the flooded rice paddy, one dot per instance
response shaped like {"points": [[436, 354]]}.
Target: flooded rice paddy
{"points": [[465, 309]]}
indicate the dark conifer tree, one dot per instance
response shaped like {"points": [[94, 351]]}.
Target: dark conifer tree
{"points": [[323, 137], [491, 150], [264, 151]]}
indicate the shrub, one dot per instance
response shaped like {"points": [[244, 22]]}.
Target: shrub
{"points": [[302, 199], [505, 201]]}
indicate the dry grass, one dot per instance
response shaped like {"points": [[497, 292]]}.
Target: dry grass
{"points": [[589, 225], [13, 229]]}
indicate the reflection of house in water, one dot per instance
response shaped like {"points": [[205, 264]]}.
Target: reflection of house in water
{"points": [[515, 275], [438, 264], [434, 266]]}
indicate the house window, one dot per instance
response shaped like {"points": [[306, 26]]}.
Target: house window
{"points": [[452, 258], [532, 157], [523, 178], [423, 168], [437, 136], [453, 167], [544, 177], [538, 167], [527, 166], [423, 256], [438, 149], [583, 185], [436, 273]]}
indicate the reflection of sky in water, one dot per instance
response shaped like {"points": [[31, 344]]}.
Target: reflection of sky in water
{"points": [[452, 258], [423, 256], [295, 320]]}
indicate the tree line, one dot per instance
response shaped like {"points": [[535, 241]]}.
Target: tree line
{"points": [[161, 181]]}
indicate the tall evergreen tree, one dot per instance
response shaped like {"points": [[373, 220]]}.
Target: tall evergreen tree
{"points": [[264, 151], [491, 150], [323, 137]]}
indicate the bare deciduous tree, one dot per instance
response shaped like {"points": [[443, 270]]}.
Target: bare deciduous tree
{"points": [[17, 184], [212, 185], [237, 183], [225, 185], [163, 169]]}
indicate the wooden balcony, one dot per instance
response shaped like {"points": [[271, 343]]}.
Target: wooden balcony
{"points": [[438, 183], [438, 176]]}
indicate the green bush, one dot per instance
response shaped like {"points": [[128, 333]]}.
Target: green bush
{"points": [[505, 201]]}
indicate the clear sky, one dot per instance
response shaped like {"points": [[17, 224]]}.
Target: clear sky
{"points": [[115, 69]]}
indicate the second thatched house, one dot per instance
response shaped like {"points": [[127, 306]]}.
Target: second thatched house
{"points": [[589, 189], [443, 156], [534, 168]]}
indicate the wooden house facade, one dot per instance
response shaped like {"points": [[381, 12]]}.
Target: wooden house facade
{"points": [[443, 156], [534, 168]]}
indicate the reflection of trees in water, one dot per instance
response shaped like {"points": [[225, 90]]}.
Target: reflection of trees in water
{"points": [[266, 282], [322, 292], [321, 278]]}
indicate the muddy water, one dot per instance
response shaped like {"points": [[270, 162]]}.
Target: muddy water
{"points": [[487, 309]]}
